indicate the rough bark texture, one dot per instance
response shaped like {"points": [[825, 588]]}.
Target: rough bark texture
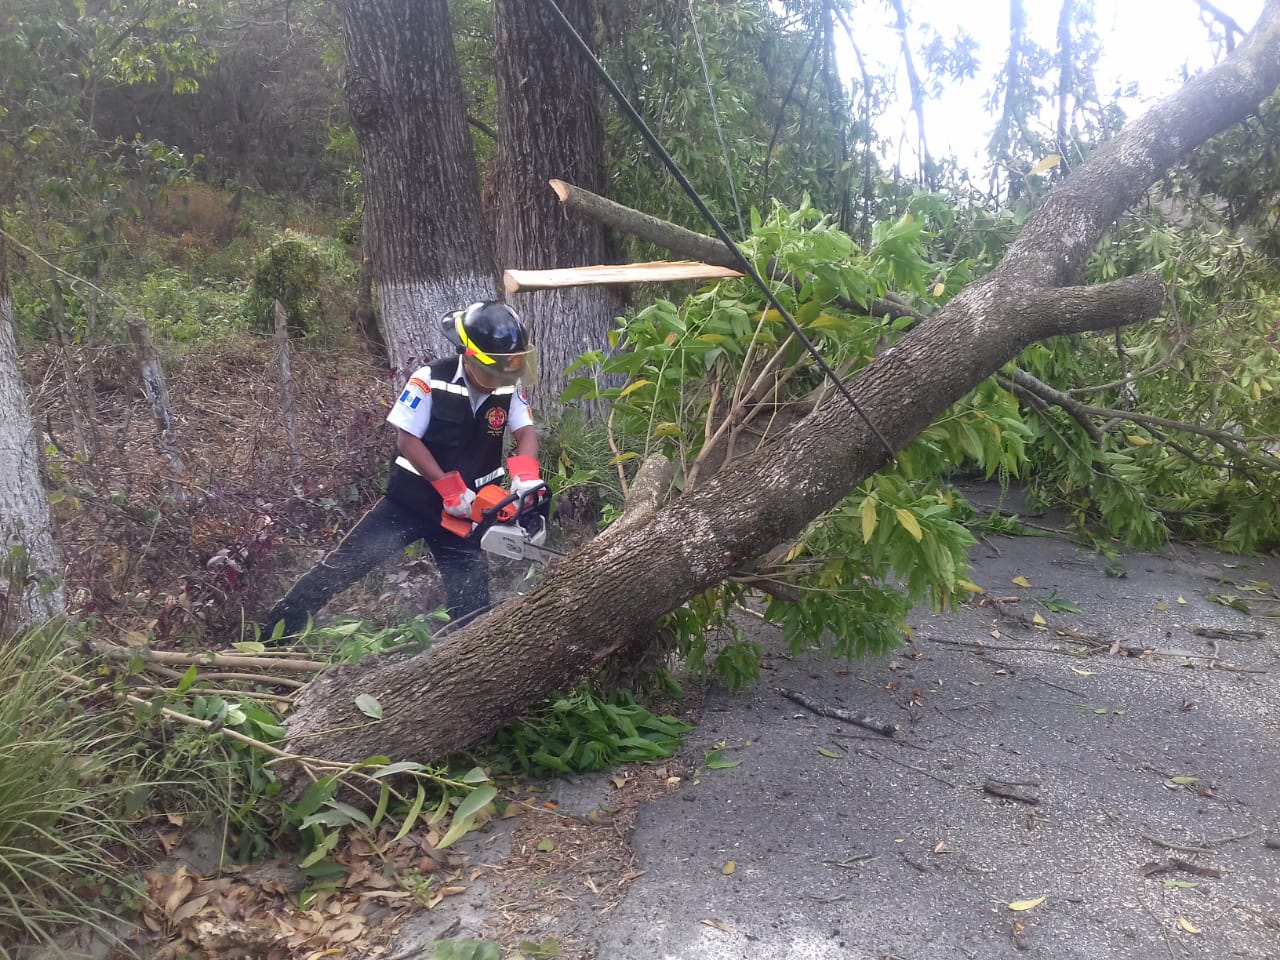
{"points": [[609, 594], [549, 126], [24, 509], [422, 219]]}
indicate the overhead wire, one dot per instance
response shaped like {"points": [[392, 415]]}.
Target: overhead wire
{"points": [[715, 116], [739, 258]]}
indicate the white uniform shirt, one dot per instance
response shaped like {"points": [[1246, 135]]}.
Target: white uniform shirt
{"points": [[412, 409]]}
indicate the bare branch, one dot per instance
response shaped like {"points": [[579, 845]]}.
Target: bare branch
{"points": [[1230, 30], [1058, 399]]}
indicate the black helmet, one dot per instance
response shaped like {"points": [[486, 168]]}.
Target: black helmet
{"points": [[492, 339]]}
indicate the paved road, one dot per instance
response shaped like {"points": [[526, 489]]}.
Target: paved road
{"points": [[892, 848]]}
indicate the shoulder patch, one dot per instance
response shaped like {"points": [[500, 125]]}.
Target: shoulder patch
{"points": [[420, 384]]}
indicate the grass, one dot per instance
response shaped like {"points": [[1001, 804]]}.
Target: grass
{"points": [[64, 782]]}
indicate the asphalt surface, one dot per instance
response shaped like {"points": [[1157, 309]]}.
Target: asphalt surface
{"points": [[1156, 776]]}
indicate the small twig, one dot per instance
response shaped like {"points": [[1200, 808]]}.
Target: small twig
{"points": [[894, 740], [1196, 869], [1180, 847], [1219, 665], [909, 766], [218, 692], [1219, 633], [210, 727], [852, 862], [256, 678], [860, 719], [1159, 923], [1175, 863], [1009, 791], [1234, 838], [211, 659]]}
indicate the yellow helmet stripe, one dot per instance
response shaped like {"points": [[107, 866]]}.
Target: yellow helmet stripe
{"points": [[467, 342]]}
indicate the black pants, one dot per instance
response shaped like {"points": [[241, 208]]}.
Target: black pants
{"points": [[382, 532]]}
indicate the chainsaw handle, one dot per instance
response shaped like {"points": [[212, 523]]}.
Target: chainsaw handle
{"points": [[530, 500]]}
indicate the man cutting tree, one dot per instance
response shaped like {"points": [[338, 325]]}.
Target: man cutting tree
{"points": [[451, 419]]}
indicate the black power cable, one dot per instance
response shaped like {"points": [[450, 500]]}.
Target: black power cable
{"points": [[747, 267]]}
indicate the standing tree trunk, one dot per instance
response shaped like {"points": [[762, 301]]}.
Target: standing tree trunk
{"points": [[24, 509], [422, 222], [610, 594], [549, 127]]}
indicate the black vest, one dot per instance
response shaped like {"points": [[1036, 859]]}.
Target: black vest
{"points": [[471, 443]]}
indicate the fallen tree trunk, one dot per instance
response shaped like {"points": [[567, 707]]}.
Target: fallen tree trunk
{"points": [[610, 594]]}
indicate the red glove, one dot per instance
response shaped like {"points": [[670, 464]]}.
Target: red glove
{"points": [[457, 496], [524, 472]]}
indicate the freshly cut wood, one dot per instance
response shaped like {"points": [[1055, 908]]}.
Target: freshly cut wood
{"points": [[697, 246], [661, 271]]}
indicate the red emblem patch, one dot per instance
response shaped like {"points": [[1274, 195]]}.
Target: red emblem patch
{"points": [[497, 419]]}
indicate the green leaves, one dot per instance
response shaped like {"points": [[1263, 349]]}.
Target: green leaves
{"points": [[581, 731], [714, 760], [368, 705]]}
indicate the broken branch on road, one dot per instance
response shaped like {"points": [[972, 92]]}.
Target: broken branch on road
{"points": [[864, 720]]}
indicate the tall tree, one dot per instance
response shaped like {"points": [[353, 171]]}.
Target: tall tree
{"points": [[609, 595], [549, 127], [26, 532], [423, 227]]}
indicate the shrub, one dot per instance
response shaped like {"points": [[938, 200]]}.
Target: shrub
{"points": [[313, 280], [187, 310]]}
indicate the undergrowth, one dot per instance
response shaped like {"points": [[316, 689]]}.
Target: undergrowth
{"points": [[68, 781]]}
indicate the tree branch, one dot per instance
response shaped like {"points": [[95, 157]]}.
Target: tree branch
{"points": [[1058, 399], [1231, 29], [483, 127], [1100, 306], [1179, 345], [698, 246]]}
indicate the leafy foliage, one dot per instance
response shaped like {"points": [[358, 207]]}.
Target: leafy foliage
{"points": [[315, 285], [715, 379], [1208, 362], [582, 731]]}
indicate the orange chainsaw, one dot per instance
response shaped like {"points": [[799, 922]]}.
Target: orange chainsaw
{"points": [[506, 523]]}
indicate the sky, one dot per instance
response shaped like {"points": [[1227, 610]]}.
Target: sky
{"points": [[1143, 41]]}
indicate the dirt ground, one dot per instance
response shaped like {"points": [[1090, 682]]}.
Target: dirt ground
{"points": [[1100, 784]]}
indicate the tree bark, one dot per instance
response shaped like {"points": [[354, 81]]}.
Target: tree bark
{"points": [[549, 126], [422, 220], [24, 509], [609, 594]]}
